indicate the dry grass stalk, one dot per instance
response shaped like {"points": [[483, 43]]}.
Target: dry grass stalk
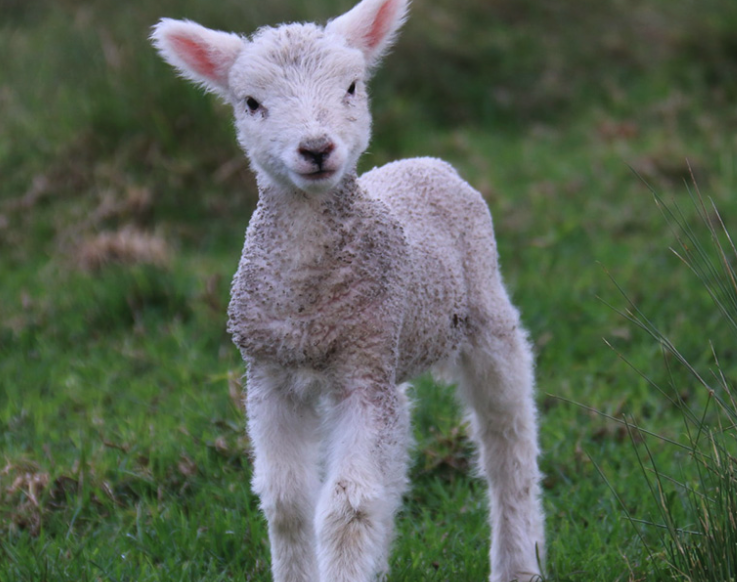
{"points": [[127, 246]]}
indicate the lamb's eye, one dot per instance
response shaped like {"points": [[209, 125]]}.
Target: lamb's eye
{"points": [[252, 104], [352, 88]]}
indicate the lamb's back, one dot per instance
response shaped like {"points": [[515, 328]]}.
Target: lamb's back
{"points": [[448, 227], [434, 204]]}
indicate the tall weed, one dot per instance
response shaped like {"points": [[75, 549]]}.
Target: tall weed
{"points": [[696, 518]]}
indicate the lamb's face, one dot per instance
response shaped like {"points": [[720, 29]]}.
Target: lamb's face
{"points": [[301, 108], [298, 90]]}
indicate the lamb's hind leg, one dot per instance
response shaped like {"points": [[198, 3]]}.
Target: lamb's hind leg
{"points": [[366, 475], [496, 382], [284, 433]]}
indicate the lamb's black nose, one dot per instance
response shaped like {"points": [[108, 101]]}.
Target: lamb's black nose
{"points": [[316, 150]]}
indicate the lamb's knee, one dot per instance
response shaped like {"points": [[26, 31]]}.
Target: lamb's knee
{"points": [[353, 527], [286, 501], [285, 516], [347, 507]]}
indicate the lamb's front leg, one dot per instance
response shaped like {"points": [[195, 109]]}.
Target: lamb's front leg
{"points": [[284, 435], [367, 463]]}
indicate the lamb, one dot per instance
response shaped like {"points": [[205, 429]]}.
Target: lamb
{"points": [[347, 288]]}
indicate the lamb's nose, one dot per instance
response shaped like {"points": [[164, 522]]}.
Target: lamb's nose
{"points": [[316, 150]]}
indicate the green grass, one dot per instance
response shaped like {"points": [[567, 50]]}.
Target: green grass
{"points": [[695, 504], [122, 450]]}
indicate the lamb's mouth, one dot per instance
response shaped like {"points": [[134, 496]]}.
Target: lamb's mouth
{"points": [[318, 175]]}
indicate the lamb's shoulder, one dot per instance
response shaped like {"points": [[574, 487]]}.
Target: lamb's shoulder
{"points": [[307, 286], [412, 174], [427, 166], [427, 192]]}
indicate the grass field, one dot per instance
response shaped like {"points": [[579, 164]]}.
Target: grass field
{"points": [[123, 202]]}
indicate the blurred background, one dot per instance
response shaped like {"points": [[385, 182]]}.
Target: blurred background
{"points": [[91, 120], [123, 203]]}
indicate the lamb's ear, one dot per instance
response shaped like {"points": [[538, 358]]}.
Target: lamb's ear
{"points": [[202, 55], [371, 26]]}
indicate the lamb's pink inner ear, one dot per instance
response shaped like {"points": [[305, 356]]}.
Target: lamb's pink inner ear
{"points": [[380, 26], [195, 55]]}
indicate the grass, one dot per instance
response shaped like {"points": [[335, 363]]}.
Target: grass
{"points": [[699, 534], [122, 209]]}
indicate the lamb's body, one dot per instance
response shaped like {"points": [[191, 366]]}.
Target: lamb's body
{"points": [[394, 267], [347, 288]]}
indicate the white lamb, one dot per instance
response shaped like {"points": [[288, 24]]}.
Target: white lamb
{"points": [[347, 288]]}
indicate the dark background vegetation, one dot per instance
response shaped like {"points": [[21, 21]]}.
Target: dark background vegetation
{"points": [[123, 202]]}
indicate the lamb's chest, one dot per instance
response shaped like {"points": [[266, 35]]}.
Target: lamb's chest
{"points": [[303, 314]]}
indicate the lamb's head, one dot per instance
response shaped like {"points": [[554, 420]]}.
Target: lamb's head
{"points": [[298, 91]]}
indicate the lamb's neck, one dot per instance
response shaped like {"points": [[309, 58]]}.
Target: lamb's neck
{"points": [[291, 203], [300, 230]]}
